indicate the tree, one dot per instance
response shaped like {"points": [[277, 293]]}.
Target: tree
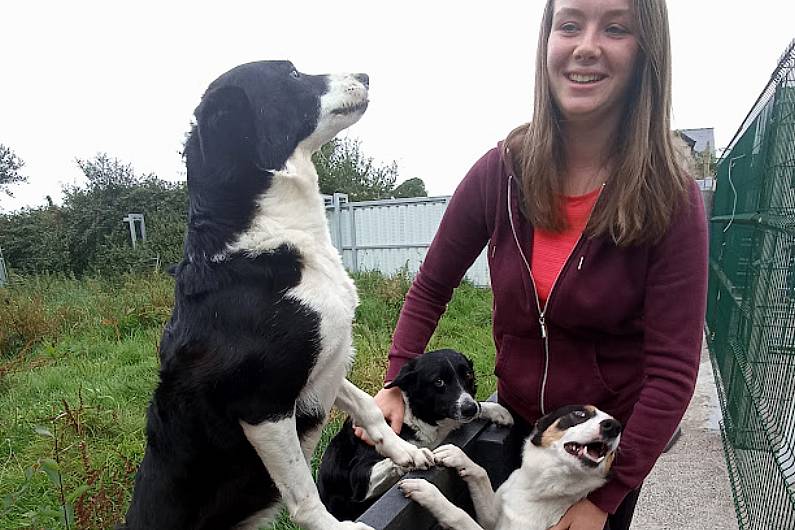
{"points": [[98, 239], [414, 187], [10, 164], [106, 172], [343, 167]]}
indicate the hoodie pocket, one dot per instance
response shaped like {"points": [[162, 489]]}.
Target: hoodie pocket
{"points": [[519, 366], [573, 375]]}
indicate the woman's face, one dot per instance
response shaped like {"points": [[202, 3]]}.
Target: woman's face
{"points": [[591, 57]]}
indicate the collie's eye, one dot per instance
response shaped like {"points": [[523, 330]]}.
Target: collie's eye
{"points": [[578, 414], [438, 383], [470, 376], [294, 74]]}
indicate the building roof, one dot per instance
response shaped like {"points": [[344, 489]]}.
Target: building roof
{"points": [[704, 138]]}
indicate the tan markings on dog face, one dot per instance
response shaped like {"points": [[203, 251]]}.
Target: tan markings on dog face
{"points": [[590, 408], [608, 463], [552, 435]]}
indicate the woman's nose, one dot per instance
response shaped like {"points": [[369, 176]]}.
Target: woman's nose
{"points": [[588, 46]]}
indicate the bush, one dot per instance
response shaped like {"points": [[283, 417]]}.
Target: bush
{"points": [[87, 235]]}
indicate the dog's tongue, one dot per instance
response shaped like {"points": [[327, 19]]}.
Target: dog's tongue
{"points": [[594, 451]]}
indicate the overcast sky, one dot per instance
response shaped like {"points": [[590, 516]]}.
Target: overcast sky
{"points": [[448, 78]]}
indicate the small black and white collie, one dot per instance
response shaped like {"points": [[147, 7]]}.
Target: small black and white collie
{"points": [[438, 390], [568, 455], [259, 342]]}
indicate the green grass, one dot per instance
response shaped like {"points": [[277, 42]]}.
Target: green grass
{"points": [[78, 363]]}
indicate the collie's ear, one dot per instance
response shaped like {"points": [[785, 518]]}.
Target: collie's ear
{"points": [[469, 362], [540, 428], [535, 436], [225, 126], [406, 377]]}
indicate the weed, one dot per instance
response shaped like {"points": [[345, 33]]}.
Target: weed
{"points": [[79, 364]]}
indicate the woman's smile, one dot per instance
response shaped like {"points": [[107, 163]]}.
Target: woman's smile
{"points": [[591, 57]]}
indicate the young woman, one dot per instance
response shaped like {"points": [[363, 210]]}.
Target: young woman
{"points": [[596, 246]]}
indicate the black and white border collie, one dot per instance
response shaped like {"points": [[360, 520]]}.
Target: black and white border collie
{"points": [[259, 343], [568, 455], [439, 395]]}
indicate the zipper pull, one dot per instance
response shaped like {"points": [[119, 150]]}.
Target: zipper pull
{"points": [[543, 326]]}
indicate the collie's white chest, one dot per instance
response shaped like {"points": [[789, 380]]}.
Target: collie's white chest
{"points": [[292, 213], [327, 289]]}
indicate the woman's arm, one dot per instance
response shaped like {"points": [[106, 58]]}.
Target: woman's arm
{"points": [[673, 320]]}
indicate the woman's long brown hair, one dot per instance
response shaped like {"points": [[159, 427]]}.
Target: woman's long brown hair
{"points": [[646, 183]]}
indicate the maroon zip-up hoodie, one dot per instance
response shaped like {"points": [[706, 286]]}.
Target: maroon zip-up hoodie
{"points": [[622, 328]]}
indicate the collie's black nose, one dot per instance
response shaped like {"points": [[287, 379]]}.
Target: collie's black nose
{"points": [[469, 409], [363, 79], [610, 428]]}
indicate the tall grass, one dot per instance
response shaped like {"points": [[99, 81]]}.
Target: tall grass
{"points": [[78, 364]]}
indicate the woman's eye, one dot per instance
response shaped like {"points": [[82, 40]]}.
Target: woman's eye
{"points": [[568, 27], [616, 30], [294, 74], [438, 383]]}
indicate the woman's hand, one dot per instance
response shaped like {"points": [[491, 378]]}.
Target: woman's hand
{"points": [[583, 515], [390, 401]]}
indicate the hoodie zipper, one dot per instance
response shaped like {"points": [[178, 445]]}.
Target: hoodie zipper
{"points": [[541, 312]]}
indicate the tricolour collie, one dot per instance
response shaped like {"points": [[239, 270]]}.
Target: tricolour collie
{"points": [[567, 456], [259, 343]]}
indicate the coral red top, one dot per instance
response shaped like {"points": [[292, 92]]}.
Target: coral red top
{"points": [[551, 249]]}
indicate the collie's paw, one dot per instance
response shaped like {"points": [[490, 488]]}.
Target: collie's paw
{"points": [[420, 491], [452, 456], [406, 455], [496, 413]]}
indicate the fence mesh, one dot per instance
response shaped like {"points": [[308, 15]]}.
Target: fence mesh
{"points": [[751, 304]]}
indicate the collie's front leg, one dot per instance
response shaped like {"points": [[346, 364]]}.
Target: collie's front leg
{"points": [[483, 497], [383, 476], [366, 414], [277, 444], [429, 497]]}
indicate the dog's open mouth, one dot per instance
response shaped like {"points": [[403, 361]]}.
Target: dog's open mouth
{"points": [[350, 108], [590, 454]]}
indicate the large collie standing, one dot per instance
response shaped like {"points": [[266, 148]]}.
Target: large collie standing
{"points": [[259, 343]]}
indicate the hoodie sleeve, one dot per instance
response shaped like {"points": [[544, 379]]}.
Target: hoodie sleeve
{"points": [[673, 320], [461, 236]]}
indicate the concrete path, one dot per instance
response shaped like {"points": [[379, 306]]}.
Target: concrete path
{"points": [[689, 488]]}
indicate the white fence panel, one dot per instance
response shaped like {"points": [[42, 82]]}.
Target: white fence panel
{"points": [[3, 271], [388, 235]]}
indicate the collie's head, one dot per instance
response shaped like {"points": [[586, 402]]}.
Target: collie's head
{"points": [[580, 438], [259, 113], [439, 385], [249, 123]]}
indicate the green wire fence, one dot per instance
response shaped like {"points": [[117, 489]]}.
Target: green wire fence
{"points": [[751, 304]]}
